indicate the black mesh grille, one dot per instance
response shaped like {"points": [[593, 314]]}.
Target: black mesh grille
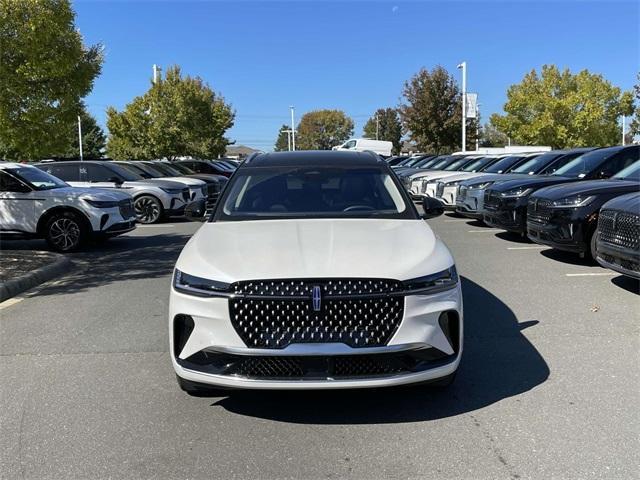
{"points": [[364, 365], [274, 367], [491, 200], [619, 228], [539, 211], [277, 313]]}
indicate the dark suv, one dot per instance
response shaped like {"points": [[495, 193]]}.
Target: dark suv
{"points": [[505, 203], [618, 235], [565, 216]]}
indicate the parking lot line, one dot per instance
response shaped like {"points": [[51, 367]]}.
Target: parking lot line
{"points": [[10, 301], [530, 247], [599, 274], [452, 220], [486, 230]]}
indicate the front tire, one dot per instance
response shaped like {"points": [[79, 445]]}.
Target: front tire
{"points": [[65, 232], [148, 209]]}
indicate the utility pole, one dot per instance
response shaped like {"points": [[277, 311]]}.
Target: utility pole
{"points": [[377, 127], [623, 128], [463, 66], [293, 131], [80, 137], [478, 127], [156, 73]]}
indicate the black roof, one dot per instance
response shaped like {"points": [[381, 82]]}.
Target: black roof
{"points": [[336, 158]]}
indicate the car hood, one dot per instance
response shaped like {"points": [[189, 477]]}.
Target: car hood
{"points": [[628, 203], [532, 181], [463, 176], [185, 180], [494, 177], [154, 182], [314, 248], [431, 174], [590, 187], [89, 193]]}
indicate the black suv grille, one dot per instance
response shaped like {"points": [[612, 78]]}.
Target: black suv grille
{"points": [[439, 189], [126, 209], [277, 313], [491, 200], [619, 228], [213, 191], [539, 211], [186, 194]]}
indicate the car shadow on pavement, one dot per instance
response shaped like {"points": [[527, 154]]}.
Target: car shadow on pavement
{"points": [[627, 283], [498, 362], [569, 257], [120, 259], [513, 237]]}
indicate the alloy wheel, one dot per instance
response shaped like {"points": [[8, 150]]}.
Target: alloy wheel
{"points": [[64, 233], [147, 210]]}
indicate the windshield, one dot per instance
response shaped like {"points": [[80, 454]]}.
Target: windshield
{"points": [[131, 170], [502, 165], [412, 161], [585, 163], [632, 172], [536, 164], [456, 165], [477, 164], [182, 169], [143, 170], [166, 169], [313, 192], [423, 162], [37, 178]]}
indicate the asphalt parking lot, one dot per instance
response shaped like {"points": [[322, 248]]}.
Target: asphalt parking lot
{"points": [[548, 386]]}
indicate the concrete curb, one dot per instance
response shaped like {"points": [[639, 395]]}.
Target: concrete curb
{"points": [[13, 287]]}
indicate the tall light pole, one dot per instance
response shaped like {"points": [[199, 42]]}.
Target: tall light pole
{"points": [[377, 126], [156, 73], [478, 126], [623, 128], [293, 131], [288, 132], [463, 66], [80, 137]]}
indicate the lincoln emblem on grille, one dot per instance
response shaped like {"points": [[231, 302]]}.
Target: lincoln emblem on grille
{"points": [[316, 296]]}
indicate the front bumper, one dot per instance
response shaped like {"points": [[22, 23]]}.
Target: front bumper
{"points": [[423, 348], [471, 203], [618, 259], [562, 234], [448, 197], [507, 214]]}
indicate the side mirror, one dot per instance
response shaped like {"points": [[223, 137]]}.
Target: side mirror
{"points": [[117, 180], [432, 207], [196, 211]]}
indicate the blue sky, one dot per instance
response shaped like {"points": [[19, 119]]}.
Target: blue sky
{"points": [[354, 56]]}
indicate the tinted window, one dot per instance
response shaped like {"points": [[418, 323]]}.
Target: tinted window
{"points": [[313, 192], [504, 164], [134, 170], [38, 179], [586, 163], [68, 172], [167, 169], [457, 164], [10, 184], [96, 173], [632, 172], [534, 165], [478, 164], [182, 169], [560, 162], [622, 160]]}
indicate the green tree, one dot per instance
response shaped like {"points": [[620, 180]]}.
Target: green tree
{"points": [[385, 124], [635, 122], [177, 116], [560, 109], [283, 140], [431, 111], [45, 70], [93, 138], [490, 136], [323, 129]]}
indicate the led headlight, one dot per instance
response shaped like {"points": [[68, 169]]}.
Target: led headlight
{"points": [[481, 186], [573, 202], [517, 192], [434, 283], [172, 191], [200, 287], [101, 203]]}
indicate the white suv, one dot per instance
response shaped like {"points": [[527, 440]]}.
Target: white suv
{"points": [[153, 199], [315, 271], [36, 204]]}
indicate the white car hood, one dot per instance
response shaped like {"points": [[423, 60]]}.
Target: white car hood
{"points": [[86, 192], [185, 180], [463, 176], [314, 248], [430, 174]]}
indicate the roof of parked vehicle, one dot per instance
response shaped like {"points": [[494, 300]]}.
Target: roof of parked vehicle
{"points": [[333, 158]]}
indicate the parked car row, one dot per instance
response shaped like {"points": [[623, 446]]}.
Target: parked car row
{"points": [[557, 198], [70, 202]]}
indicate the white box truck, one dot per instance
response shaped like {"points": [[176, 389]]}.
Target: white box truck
{"points": [[380, 147]]}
